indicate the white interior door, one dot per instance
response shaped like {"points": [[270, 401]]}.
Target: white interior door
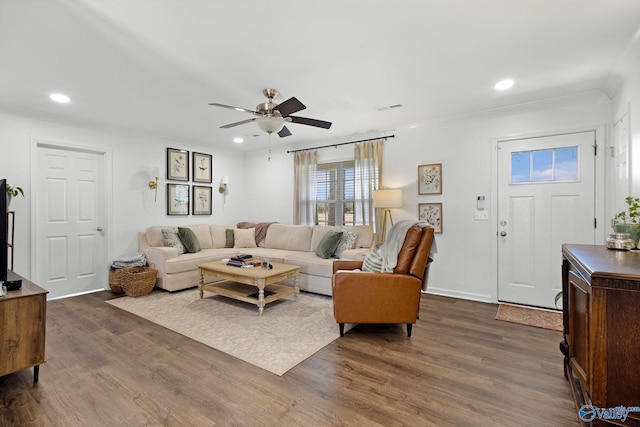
{"points": [[70, 214], [546, 197]]}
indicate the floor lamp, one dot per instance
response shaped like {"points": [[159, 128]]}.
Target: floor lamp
{"points": [[385, 200]]}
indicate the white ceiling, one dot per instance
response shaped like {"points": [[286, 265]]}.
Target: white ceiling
{"points": [[153, 65]]}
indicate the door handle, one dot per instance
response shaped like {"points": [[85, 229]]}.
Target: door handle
{"points": [[100, 229], [503, 233]]}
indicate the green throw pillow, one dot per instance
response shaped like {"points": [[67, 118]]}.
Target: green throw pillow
{"points": [[372, 262], [230, 242], [189, 240], [328, 244]]}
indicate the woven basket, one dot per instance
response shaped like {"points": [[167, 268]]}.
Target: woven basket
{"points": [[115, 280], [138, 281]]}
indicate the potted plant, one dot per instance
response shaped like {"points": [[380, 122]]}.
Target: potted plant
{"points": [[13, 192], [629, 221]]}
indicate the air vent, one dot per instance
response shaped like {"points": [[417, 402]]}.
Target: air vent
{"points": [[388, 107]]}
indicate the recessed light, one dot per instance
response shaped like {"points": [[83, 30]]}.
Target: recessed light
{"points": [[238, 140], [59, 97], [504, 85]]}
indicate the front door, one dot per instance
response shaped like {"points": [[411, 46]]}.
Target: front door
{"points": [[546, 197], [70, 253]]}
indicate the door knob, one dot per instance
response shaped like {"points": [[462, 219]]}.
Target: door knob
{"points": [[503, 233], [99, 228]]}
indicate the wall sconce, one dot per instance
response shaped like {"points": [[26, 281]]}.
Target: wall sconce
{"points": [[154, 186], [385, 200], [223, 188]]}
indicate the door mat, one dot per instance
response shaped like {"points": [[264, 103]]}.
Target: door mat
{"points": [[530, 316]]}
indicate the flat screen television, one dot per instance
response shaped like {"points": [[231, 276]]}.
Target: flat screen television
{"points": [[8, 278], [3, 230]]}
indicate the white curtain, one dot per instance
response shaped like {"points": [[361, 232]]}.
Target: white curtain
{"points": [[305, 164], [368, 177]]}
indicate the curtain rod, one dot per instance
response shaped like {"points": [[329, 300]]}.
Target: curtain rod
{"points": [[342, 143]]}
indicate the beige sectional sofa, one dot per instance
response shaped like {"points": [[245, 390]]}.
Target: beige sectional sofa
{"points": [[289, 244]]}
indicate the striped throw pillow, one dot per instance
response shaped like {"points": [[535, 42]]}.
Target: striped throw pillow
{"points": [[373, 262]]}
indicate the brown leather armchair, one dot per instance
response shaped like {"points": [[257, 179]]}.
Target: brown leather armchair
{"points": [[366, 297]]}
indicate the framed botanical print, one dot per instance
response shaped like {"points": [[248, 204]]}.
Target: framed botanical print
{"points": [[177, 164], [201, 200], [177, 199], [431, 213], [201, 170], [430, 179]]}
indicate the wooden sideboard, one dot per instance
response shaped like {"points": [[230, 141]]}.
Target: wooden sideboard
{"points": [[22, 329], [601, 309]]}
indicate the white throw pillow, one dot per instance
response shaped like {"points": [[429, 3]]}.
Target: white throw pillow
{"points": [[244, 238]]}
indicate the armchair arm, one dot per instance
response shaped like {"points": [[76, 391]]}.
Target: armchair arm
{"points": [[375, 297]]}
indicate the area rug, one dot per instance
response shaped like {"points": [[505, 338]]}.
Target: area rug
{"points": [[530, 316], [289, 331]]}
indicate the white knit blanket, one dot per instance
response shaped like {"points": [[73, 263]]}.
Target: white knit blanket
{"points": [[393, 243]]}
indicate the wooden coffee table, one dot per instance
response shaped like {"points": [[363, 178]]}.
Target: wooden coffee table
{"points": [[234, 281]]}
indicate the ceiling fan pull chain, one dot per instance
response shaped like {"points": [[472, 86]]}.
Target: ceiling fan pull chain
{"points": [[269, 158]]}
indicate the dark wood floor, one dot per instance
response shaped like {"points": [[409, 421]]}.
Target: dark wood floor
{"points": [[106, 367]]}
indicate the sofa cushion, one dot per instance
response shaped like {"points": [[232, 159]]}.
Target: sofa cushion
{"points": [[154, 235], [189, 262], [348, 241], [219, 235], [244, 238], [274, 255], [311, 264], [288, 237], [329, 244], [203, 234], [189, 240], [171, 239]]}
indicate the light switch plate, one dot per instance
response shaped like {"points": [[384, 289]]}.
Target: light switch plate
{"points": [[482, 215]]}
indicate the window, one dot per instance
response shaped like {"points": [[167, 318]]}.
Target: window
{"points": [[335, 193], [551, 165]]}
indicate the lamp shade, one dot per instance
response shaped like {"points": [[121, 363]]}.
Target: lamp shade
{"points": [[387, 199], [224, 179]]}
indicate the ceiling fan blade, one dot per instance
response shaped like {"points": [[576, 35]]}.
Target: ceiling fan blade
{"points": [[310, 122], [290, 106], [284, 132], [231, 125], [231, 107]]}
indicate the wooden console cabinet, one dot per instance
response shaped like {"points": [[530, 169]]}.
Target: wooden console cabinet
{"points": [[22, 329], [601, 309]]}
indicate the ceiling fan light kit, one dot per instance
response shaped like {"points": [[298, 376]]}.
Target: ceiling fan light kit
{"points": [[271, 117], [270, 124]]}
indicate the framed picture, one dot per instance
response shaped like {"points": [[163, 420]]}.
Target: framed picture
{"points": [[201, 200], [202, 168], [177, 199], [177, 164], [431, 213], [430, 179]]}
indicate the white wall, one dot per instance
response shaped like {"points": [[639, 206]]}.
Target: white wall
{"points": [[465, 265], [627, 99], [262, 189], [135, 158]]}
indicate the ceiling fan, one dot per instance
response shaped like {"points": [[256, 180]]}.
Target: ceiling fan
{"points": [[272, 117]]}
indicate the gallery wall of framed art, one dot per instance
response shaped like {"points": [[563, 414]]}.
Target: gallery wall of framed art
{"points": [[430, 183], [184, 198]]}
